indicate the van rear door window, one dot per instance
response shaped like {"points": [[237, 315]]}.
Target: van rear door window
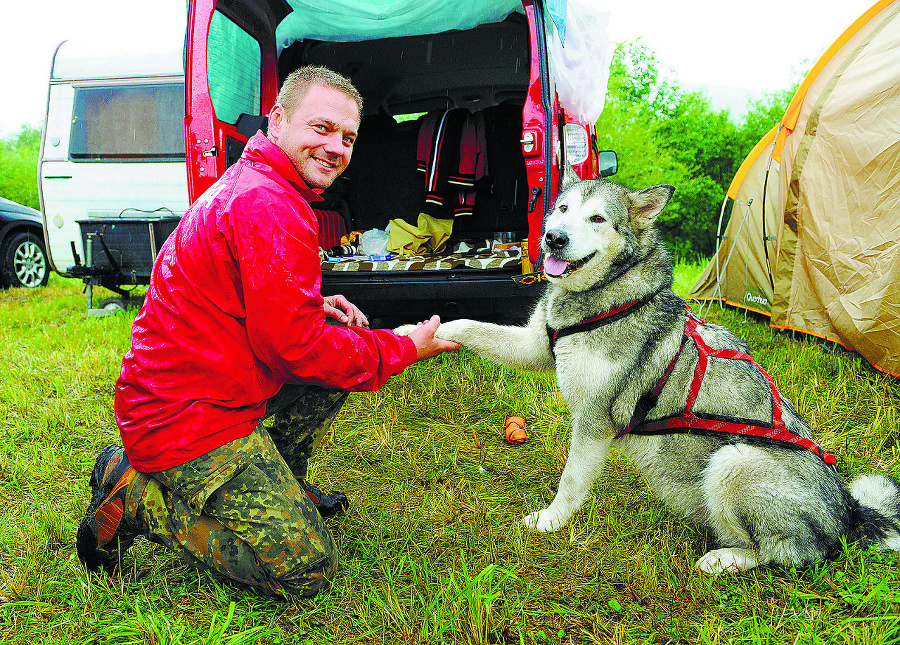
{"points": [[128, 123], [233, 69]]}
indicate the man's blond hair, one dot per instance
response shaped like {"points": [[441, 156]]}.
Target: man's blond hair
{"points": [[297, 84]]}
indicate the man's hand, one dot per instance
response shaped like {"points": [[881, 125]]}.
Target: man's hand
{"points": [[426, 343], [340, 308]]}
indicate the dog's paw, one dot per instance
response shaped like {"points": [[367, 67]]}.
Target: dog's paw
{"points": [[722, 561], [452, 330], [404, 330], [543, 521]]}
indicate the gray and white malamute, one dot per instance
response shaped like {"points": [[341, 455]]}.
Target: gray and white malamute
{"points": [[682, 398]]}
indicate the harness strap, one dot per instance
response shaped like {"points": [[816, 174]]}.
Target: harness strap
{"points": [[648, 401], [688, 422], [603, 318]]}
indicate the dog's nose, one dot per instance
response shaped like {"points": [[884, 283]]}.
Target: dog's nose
{"points": [[555, 240]]}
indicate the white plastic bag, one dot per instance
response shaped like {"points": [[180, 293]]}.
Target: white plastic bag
{"points": [[374, 242], [582, 59]]}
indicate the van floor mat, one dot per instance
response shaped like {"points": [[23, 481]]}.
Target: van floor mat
{"points": [[499, 259]]}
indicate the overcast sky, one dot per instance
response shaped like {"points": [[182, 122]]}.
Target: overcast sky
{"points": [[707, 43]]}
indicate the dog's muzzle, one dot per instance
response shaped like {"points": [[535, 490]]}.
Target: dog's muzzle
{"points": [[555, 240]]}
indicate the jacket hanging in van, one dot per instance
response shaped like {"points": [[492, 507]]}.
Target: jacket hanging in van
{"points": [[451, 152]]}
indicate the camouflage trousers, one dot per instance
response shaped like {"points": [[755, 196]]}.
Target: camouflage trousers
{"points": [[240, 511]]}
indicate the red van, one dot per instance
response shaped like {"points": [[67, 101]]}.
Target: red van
{"points": [[472, 78]]}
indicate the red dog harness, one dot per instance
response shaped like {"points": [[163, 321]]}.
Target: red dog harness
{"points": [[687, 421]]}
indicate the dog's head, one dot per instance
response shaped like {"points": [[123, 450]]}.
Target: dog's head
{"points": [[595, 226]]}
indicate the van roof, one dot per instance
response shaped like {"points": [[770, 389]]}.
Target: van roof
{"points": [[75, 60]]}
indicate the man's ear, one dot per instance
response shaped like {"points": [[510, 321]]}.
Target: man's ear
{"points": [[645, 205], [276, 122]]}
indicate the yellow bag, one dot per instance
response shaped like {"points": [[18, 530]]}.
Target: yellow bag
{"points": [[430, 235]]}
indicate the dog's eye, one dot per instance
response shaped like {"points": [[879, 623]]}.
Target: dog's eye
{"points": [[563, 208], [598, 219]]}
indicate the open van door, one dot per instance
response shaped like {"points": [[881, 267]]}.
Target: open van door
{"points": [[231, 51], [473, 85], [539, 129]]}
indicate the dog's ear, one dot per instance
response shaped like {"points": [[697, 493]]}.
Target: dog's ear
{"points": [[569, 177], [645, 205]]}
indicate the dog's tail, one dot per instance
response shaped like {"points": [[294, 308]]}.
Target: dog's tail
{"points": [[876, 521]]}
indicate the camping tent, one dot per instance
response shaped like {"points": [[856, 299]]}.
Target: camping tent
{"points": [[813, 240]]}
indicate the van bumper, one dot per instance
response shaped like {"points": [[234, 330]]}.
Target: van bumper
{"points": [[413, 296]]}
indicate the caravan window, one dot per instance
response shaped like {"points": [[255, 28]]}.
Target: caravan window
{"points": [[128, 123], [234, 63]]}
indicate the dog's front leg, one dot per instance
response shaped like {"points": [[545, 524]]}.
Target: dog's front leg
{"points": [[585, 463], [525, 348]]}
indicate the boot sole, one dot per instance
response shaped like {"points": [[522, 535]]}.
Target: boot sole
{"points": [[87, 539]]}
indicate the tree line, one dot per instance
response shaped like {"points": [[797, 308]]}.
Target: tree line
{"points": [[661, 134], [664, 135], [18, 166]]}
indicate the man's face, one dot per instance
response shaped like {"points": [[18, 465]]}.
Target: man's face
{"points": [[318, 138]]}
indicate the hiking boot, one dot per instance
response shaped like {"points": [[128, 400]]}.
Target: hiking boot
{"points": [[328, 504], [107, 529]]}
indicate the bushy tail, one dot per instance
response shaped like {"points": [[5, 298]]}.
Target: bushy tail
{"points": [[877, 520]]}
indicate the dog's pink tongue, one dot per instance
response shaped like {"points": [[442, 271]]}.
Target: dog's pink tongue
{"points": [[553, 266]]}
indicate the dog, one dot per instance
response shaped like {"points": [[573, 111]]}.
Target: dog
{"points": [[682, 398]]}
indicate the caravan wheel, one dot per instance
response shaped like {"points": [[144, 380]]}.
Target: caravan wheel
{"points": [[113, 304]]}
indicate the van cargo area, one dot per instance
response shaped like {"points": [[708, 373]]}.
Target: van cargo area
{"points": [[441, 136], [459, 153]]}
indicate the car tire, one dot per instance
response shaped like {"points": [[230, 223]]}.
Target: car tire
{"points": [[23, 262]]}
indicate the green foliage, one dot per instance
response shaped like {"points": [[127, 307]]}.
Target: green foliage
{"points": [[764, 113], [665, 135], [18, 166], [636, 78]]}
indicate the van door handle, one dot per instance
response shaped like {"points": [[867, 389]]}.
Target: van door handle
{"points": [[58, 177], [535, 193]]}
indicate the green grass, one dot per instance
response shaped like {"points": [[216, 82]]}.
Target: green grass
{"points": [[432, 549]]}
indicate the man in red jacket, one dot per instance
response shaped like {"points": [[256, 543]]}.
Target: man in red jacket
{"points": [[234, 375]]}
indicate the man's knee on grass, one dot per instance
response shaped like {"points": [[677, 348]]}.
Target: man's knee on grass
{"points": [[303, 579], [308, 581]]}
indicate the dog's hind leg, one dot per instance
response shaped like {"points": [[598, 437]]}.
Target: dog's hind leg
{"points": [[721, 561], [769, 506], [584, 465]]}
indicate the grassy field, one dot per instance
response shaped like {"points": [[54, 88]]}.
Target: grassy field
{"points": [[432, 549]]}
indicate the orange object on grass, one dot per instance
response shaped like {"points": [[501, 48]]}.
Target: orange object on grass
{"points": [[515, 430]]}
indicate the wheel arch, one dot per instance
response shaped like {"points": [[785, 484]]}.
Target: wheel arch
{"points": [[19, 226]]}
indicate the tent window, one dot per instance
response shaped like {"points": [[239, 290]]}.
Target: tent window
{"points": [[128, 123], [234, 62]]}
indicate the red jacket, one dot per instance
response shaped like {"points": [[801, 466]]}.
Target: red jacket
{"points": [[233, 312]]}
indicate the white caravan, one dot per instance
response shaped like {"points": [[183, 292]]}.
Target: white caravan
{"points": [[112, 174]]}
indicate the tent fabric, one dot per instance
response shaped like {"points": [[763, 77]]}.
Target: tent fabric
{"points": [[814, 235]]}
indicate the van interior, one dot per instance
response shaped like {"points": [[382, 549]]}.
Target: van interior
{"points": [[440, 134]]}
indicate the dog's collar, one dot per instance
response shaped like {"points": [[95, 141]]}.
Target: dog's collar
{"points": [[603, 318]]}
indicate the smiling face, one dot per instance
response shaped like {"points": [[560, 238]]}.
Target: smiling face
{"points": [[318, 135]]}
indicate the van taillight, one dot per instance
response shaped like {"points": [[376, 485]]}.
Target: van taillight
{"points": [[577, 144]]}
